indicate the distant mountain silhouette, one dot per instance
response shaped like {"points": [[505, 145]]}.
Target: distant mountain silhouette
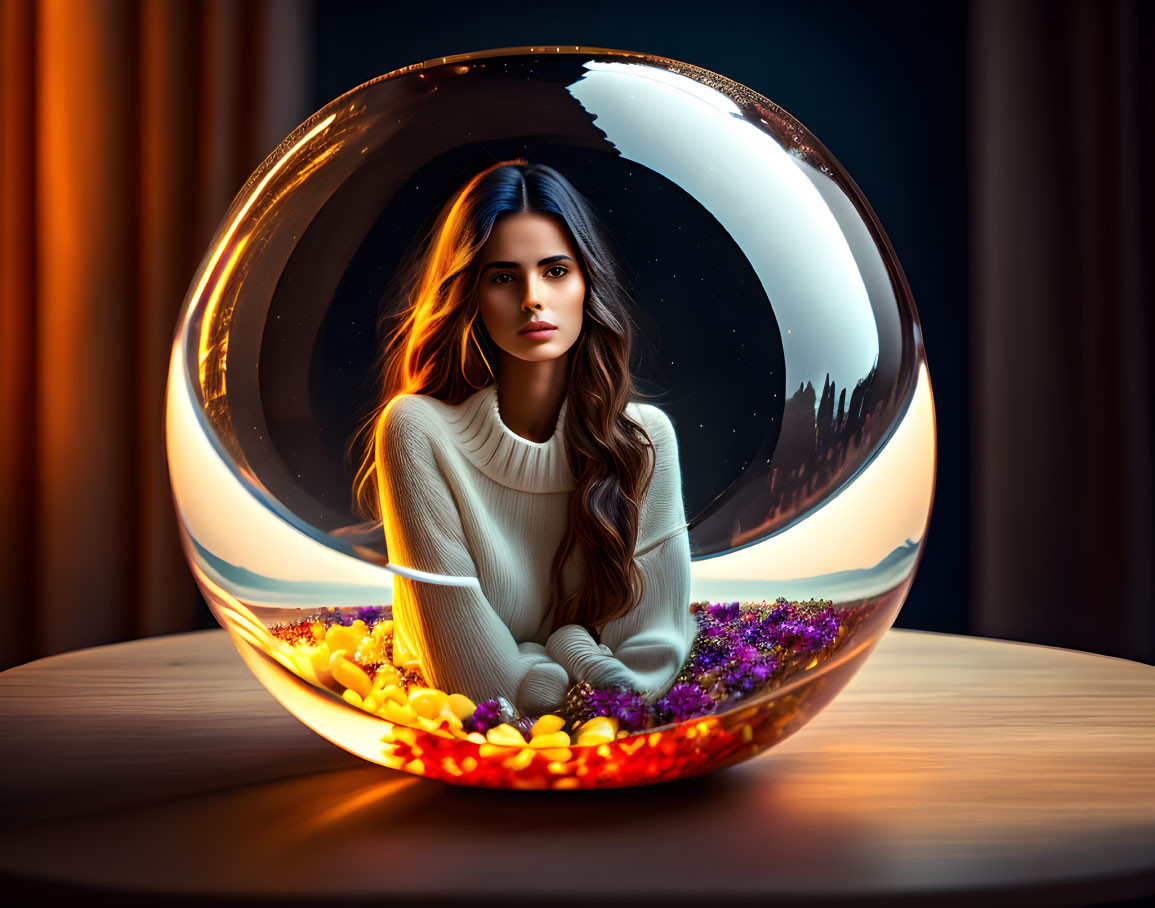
{"points": [[895, 565], [840, 586]]}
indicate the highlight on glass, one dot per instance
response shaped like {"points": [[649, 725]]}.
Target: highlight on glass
{"points": [[551, 418]]}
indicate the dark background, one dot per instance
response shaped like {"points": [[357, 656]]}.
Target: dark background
{"points": [[1005, 146], [883, 85], [1001, 146]]}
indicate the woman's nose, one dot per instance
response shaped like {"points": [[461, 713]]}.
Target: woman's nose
{"points": [[532, 298]]}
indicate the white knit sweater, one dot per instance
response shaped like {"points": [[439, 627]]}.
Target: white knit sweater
{"points": [[468, 500]]}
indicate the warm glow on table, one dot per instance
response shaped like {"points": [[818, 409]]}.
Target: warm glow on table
{"points": [[948, 765]]}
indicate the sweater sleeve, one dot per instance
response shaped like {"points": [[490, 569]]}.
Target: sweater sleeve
{"points": [[648, 644], [446, 621]]}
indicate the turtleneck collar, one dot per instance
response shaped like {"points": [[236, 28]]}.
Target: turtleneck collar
{"points": [[502, 454]]}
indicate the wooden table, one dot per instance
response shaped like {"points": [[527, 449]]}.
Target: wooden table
{"points": [[951, 767]]}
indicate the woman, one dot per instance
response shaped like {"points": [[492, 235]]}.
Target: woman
{"points": [[533, 513]]}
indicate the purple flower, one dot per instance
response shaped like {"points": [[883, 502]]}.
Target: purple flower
{"points": [[743, 676], [621, 703], [370, 614], [723, 611], [684, 701], [799, 631], [735, 652], [709, 655], [485, 716]]}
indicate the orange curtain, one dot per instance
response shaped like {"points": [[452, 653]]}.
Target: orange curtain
{"points": [[127, 128]]}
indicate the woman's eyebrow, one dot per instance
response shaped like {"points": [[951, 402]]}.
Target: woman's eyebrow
{"points": [[545, 261]]}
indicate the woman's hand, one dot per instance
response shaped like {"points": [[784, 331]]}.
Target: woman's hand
{"points": [[572, 647], [543, 689]]}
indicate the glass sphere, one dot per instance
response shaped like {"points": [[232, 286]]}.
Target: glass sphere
{"points": [[775, 329]]}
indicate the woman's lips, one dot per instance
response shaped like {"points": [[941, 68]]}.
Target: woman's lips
{"points": [[539, 333]]}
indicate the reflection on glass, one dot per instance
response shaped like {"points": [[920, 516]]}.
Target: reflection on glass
{"points": [[424, 530]]}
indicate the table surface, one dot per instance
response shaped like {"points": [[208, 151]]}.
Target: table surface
{"points": [[950, 766]]}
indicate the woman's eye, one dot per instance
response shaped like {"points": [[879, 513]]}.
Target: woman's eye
{"points": [[556, 271]]}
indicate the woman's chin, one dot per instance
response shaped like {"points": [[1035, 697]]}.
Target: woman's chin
{"points": [[538, 351]]}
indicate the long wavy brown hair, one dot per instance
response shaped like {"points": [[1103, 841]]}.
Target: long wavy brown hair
{"points": [[435, 344]]}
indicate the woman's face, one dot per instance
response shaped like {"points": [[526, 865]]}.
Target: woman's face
{"points": [[530, 273]]}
